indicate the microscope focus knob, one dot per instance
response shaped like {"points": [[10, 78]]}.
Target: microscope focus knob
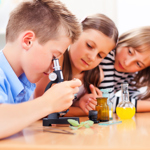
{"points": [[52, 76]]}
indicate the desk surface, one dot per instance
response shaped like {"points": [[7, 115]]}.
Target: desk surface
{"points": [[130, 134]]}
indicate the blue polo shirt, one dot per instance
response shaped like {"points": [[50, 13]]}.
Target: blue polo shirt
{"points": [[13, 90]]}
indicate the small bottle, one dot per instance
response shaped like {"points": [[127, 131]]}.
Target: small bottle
{"points": [[102, 108], [110, 104], [125, 109]]}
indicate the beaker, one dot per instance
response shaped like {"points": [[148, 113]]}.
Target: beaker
{"points": [[125, 109]]}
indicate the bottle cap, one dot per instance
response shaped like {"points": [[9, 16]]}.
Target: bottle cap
{"points": [[93, 116], [105, 92]]}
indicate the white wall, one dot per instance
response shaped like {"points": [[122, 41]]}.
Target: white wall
{"points": [[132, 13], [82, 8], [2, 40], [127, 14], [5, 8]]}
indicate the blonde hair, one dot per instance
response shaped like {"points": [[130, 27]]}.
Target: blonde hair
{"points": [[46, 18], [139, 39], [136, 38]]}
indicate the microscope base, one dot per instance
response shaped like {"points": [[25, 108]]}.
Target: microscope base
{"points": [[60, 120]]}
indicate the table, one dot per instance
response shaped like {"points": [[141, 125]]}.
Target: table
{"points": [[130, 134]]}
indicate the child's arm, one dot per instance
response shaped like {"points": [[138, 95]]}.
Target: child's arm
{"points": [[75, 112], [15, 117], [143, 105]]}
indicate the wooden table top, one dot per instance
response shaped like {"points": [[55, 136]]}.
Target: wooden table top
{"points": [[130, 134]]}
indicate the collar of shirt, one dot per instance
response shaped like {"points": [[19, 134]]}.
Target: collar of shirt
{"points": [[16, 85]]}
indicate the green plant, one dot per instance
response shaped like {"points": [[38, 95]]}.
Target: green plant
{"points": [[76, 125]]}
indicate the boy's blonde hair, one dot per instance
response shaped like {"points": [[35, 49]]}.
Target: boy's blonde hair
{"points": [[46, 18]]}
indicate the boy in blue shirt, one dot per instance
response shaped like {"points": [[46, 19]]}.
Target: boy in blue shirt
{"points": [[37, 32]]}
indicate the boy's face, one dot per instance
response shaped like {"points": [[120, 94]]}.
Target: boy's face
{"points": [[37, 60], [90, 49], [129, 59]]}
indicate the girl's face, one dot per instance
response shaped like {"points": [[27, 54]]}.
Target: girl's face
{"points": [[130, 60], [89, 50]]}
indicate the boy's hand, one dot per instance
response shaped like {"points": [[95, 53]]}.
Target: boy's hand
{"points": [[60, 96], [88, 101]]}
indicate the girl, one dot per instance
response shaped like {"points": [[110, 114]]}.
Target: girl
{"points": [[81, 61], [129, 62]]}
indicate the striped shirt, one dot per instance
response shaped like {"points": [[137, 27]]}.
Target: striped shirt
{"points": [[113, 80]]}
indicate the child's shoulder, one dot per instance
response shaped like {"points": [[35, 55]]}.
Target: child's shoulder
{"points": [[3, 79]]}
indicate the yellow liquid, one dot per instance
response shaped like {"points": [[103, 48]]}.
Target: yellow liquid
{"points": [[125, 113]]}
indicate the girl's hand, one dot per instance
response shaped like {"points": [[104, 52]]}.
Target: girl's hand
{"points": [[88, 101], [93, 102], [84, 100], [95, 91]]}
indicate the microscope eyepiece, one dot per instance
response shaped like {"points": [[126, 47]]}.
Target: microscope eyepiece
{"points": [[56, 64]]}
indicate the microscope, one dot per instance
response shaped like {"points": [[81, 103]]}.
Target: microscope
{"points": [[56, 118]]}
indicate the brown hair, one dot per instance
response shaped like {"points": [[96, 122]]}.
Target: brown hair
{"points": [[100, 23], [46, 18], [136, 38]]}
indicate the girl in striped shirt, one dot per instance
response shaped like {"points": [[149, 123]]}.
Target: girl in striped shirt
{"points": [[129, 62]]}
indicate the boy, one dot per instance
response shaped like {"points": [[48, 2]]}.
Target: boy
{"points": [[36, 32]]}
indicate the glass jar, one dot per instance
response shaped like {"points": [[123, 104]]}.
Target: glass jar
{"points": [[102, 108], [105, 93], [125, 109]]}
